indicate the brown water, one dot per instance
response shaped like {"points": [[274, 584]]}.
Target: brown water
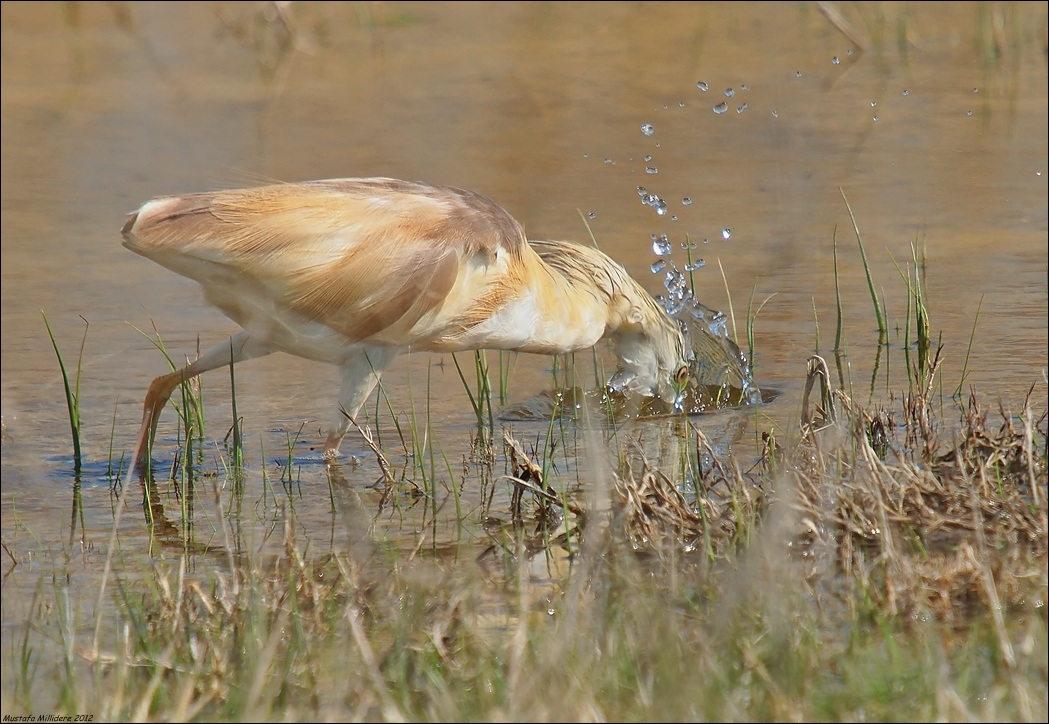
{"points": [[936, 142]]}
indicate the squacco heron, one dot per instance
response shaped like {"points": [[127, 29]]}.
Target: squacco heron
{"points": [[355, 271]]}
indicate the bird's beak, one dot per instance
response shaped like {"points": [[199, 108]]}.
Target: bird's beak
{"points": [[622, 380]]}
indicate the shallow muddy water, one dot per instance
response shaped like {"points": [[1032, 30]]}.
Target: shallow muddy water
{"points": [[930, 121]]}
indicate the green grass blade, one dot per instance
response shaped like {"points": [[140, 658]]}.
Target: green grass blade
{"points": [[879, 313], [72, 393]]}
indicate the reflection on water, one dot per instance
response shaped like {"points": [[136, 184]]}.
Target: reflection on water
{"points": [[563, 113]]}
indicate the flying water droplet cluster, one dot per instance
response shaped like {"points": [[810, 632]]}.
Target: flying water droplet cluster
{"points": [[652, 200], [661, 245]]}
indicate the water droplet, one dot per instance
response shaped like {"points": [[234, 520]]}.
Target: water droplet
{"points": [[836, 60], [591, 215], [673, 217], [677, 291], [661, 245], [686, 201], [797, 74], [658, 266], [969, 113], [651, 170], [586, 155], [697, 264], [649, 199], [647, 159], [906, 92], [715, 320], [681, 104], [706, 241], [976, 90], [726, 233], [874, 118], [688, 245], [775, 113], [729, 92], [647, 129], [742, 108], [874, 104], [848, 52], [610, 162], [721, 108], [702, 86], [744, 87]]}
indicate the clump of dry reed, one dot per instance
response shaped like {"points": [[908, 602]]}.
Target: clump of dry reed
{"points": [[922, 527]]}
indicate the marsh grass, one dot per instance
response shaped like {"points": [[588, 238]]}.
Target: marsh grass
{"points": [[879, 573], [876, 564], [853, 584]]}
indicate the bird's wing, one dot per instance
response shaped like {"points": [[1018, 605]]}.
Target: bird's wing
{"points": [[358, 255]]}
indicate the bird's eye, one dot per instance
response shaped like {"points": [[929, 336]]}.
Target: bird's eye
{"points": [[682, 375]]}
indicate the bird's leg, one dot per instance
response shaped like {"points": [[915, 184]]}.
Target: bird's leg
{"points": [[238, 348], [360, 373]]}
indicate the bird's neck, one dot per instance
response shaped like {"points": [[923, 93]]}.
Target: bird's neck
{"points": [[569, 313]]}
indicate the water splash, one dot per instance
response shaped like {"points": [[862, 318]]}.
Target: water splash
{"points": [[661, 245], [652, 200]]}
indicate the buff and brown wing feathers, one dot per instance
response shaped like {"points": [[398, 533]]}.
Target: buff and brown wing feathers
{"points": [[358, 255]]}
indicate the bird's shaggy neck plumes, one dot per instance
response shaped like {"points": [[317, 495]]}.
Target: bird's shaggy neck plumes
{"points": [[649, 343]]}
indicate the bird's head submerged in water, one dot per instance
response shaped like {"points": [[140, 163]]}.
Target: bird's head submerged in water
{"points": [[655, 358]]}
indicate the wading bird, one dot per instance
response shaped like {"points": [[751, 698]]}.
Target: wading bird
{"points": [[353, 272]]}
